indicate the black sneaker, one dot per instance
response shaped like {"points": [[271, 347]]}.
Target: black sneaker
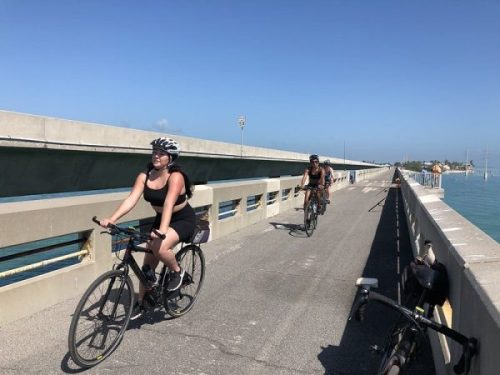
{"points": [[137, 311], [175, 280]]}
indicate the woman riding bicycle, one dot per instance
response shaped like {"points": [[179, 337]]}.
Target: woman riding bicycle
{"points": [[167, 189], [316, 176], [328, 178]]}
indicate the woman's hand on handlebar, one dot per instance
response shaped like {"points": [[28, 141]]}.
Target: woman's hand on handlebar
{"points": [[105, 223], [157, 235]]}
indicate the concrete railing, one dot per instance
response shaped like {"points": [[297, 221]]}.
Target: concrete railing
{"points": [[24, 222], [472, 260]]}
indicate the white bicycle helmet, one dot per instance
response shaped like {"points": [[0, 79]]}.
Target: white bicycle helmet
{"points": [[167, 145]]}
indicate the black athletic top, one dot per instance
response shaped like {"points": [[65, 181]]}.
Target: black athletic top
{"points": [[314, 178], [157, 197]]}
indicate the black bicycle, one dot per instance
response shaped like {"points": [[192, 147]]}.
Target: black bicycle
{"points": [[311, 211], [402, 343], [103, 313]]}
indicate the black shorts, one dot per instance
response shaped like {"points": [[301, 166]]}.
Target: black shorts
{"points": [[183, 222]]}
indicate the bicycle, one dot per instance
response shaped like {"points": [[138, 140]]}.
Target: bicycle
{"points": [[324, 200], [104, 311], [311, 211], [402, 343]]}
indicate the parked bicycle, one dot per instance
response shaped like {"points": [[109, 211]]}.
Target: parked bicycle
{"points": [[103, 313], [401, 347], [311, 211]]}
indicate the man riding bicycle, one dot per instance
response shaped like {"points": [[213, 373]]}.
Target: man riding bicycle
{"points": [[315, 176]]}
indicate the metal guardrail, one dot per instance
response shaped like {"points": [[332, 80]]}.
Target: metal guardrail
{"points": [[427, 179], [31, 256]]}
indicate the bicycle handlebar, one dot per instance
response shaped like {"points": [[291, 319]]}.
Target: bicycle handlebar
{"points": [[114, 229], [469, 344]]}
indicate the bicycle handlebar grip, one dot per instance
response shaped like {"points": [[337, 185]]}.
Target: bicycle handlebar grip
{"points": [[94, 219], [360, 314], [159, 234]]}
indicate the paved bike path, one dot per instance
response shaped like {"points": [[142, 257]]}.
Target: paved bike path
{"points": [[274, 301]]}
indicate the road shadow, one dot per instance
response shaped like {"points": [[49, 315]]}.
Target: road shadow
{"points": [[352, 355]]}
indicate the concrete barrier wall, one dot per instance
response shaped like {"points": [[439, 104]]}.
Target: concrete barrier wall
{"points": [[23, 222], [25, 130], [472, 260]]}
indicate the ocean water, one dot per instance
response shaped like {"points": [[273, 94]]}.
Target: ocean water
{"points": [[475, 199]]}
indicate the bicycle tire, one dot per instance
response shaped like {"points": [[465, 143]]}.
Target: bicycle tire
{"points": [[393, 370], [309, 219], [101, 318], [192, 261]]}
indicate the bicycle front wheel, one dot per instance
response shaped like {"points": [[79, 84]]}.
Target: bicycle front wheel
{"points": [[100, 319], [192, 261], [309, 219]]}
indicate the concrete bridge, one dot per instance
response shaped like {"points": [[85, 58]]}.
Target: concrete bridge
{"points": [[274, 301]]}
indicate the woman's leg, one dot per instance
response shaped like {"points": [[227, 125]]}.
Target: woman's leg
{"points": [[152, 261], [306, 198], [162, 249]]}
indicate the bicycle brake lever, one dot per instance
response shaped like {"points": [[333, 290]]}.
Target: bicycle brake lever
{"points": [[358, 308], [465, 360]]}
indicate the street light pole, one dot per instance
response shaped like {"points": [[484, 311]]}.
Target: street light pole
{"points": [[344, 155], [241, 123]]}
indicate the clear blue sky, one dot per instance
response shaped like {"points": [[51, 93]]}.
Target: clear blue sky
{"points": [[394, 79]]}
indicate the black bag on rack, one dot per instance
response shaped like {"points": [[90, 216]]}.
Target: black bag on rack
{"points": [[419, 275]]}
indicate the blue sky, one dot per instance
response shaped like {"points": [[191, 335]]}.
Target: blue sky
{"points": [[391, 79]]}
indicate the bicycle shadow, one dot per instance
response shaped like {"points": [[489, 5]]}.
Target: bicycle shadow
{"points": [[379, 320], [294, 230]]}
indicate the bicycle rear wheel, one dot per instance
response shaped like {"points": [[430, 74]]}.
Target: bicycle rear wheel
{"points": [[310, 219], [100, 318], [192, 261]]}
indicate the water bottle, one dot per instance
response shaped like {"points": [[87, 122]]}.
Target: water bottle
{"points": [[149, 273], [314, 207]]}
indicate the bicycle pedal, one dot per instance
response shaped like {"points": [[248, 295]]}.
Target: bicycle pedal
{"points": [[375, 349]]}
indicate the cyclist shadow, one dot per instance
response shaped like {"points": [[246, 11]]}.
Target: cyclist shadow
{"points": [[294, 230]]}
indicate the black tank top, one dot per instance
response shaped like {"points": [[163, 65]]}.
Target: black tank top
{"points": [[157, 197], [314, 178]]}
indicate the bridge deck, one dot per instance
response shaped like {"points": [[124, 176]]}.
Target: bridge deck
{"points": [[274, 301]]}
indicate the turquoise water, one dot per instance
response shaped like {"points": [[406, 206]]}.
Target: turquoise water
{"points": [[475, 199]]}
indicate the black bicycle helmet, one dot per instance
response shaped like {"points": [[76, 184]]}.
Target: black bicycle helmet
{"points": [[326, 162], [167, 145], [313, 157]]}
